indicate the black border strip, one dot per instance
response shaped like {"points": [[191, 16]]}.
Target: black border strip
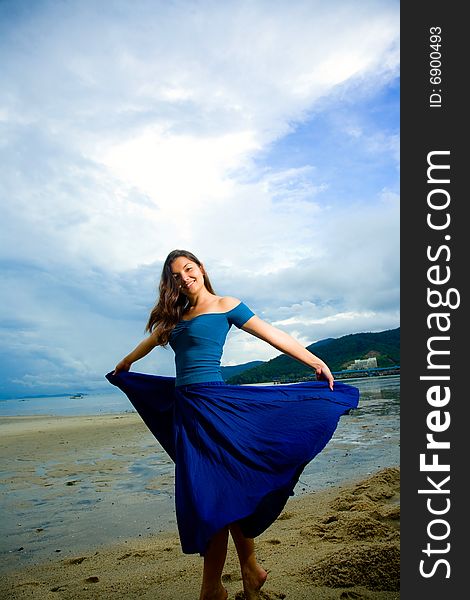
{"points": [[433, 523]]}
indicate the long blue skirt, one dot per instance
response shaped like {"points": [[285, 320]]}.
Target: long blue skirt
{"points": [[238, 450]]}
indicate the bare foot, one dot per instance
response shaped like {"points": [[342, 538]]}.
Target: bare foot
{"points": [[253, 581], [218, 594]]}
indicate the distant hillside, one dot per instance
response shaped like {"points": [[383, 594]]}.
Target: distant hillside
{"points": [[338, 353], [228, 372]]}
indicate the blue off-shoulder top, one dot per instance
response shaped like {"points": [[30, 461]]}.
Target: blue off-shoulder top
{"points": [[198, 344]]}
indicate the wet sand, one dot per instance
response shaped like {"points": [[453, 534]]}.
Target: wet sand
{"points": [[71, 483], [341, 542]]}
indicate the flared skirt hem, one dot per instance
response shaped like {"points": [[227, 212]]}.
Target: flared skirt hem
{"points": [[238, 450]]}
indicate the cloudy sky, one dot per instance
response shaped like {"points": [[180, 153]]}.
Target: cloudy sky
{"points": [[261, 135]]}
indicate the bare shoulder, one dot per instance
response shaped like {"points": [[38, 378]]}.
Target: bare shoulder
{"points": [[226, 303]]}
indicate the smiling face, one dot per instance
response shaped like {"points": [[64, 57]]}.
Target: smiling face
{"points": [[189, 276]]}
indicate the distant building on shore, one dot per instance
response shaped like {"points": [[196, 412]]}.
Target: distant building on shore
{"points": [[364, 363]]}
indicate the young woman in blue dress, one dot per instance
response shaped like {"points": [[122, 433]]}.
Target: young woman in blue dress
{"points": [[221, 436]]}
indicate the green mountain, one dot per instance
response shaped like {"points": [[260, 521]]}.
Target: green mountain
{"points": [[338, 353]]}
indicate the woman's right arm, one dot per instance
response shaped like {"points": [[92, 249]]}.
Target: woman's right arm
{"points": [[139, 351]]}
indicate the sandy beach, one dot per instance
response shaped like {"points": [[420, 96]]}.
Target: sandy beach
{"points": [[69, 486]]}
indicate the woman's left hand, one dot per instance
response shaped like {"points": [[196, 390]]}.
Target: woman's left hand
{"points": [[324, 373]]}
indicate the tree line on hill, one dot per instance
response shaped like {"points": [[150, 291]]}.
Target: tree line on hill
{"points": [[338, 353]]}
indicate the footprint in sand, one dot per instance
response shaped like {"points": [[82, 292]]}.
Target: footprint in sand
{"points": [[135, 554], [74, 561]]}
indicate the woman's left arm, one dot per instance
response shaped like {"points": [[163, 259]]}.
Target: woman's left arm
{"points": [[288, 345]]}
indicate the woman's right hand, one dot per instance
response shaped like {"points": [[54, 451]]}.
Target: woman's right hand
{"points": [[139, 351], [123, 365]]}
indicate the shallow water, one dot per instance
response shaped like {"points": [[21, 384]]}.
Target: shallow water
{"points": [[366, 440], [123, 494]]}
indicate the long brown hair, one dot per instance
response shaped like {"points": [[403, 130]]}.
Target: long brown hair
{"points": [[171, 302]]}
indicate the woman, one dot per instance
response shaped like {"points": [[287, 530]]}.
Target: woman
{"points": [[238, 450]]}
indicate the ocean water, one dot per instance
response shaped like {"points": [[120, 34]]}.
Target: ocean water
{"points": [[114, 401], [92, 403]]}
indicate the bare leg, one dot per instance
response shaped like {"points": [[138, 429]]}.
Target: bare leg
{"points": [[214, 561], [253, 574]]}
